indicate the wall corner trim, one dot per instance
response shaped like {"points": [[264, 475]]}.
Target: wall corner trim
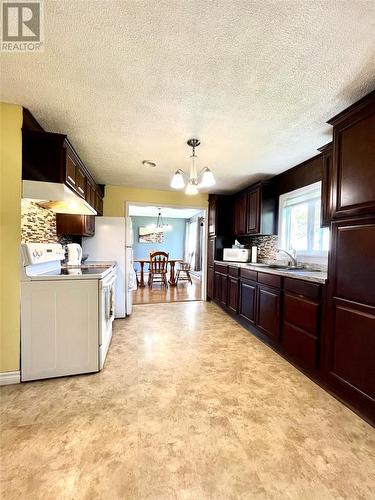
{"points": [[8, 378]]}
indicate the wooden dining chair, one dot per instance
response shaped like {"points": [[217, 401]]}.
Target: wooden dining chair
{"points": [[184, 267], [158, 268]]}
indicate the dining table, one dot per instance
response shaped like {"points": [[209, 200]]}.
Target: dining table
{"points": [[172, 274]]}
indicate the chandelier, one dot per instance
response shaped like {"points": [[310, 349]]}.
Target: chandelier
{"points": [[159, 227], [194, 181]]}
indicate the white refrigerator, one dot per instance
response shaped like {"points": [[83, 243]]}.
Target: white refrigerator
{"points": [[113, 241]]}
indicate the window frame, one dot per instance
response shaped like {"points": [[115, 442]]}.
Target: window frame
{"points": [[283, 238]]}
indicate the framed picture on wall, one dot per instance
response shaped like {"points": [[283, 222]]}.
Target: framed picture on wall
{"points": [[150, 236]]}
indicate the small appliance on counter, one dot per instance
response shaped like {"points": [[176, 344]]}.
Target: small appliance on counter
{"points": [[236, 254], [74, 254]]}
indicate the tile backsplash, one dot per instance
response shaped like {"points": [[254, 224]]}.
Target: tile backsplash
{"points": [[267, 246], [267, 251], [38, 225]]}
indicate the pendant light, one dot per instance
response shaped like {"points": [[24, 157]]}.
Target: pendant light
{"points": [[204, 179], [160, 227]]}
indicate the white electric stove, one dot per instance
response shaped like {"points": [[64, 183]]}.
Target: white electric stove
{"points": [[66, 313]]}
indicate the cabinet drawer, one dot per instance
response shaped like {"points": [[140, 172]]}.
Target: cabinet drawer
{"points": [[310, 290], [269, 279], [301, 312], [249, 274], [233, 271], [221, 268], [300, 345]]}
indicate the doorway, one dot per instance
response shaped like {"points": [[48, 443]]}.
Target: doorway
{"points": [[179, 232]]}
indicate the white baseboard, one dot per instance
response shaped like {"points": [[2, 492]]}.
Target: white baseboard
{"points": [[8, 378]]}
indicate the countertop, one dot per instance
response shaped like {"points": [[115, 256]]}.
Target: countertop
{"points": [[303, 274]]}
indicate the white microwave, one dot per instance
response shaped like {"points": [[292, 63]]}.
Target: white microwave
{"points": [[236, 254]]}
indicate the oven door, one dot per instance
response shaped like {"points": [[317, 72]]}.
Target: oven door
{"points": [[107, 297]]}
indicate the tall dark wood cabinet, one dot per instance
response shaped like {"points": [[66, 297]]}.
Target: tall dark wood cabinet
{"points": [[219, 235], [350, 333], [326, 205]]}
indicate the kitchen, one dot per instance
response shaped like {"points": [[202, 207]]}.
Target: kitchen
{"points": [[263, 387]]}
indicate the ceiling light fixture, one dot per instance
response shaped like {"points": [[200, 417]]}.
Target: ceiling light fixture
{"points": [[148, 163], [195, 181], [160, 227]]}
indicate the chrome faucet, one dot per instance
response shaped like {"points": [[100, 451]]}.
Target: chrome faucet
{"points": [[292, 257]]}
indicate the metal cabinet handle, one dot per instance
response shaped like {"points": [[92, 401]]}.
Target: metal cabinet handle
{"points": [[81, 190], [71, 180]]}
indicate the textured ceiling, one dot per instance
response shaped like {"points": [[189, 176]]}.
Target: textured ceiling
{"points": [[255, 81]]}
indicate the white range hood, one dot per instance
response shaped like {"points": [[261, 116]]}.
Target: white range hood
{"points": [[55, 196]]}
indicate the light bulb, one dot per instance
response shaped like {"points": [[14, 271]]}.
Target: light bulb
{"points": [[191, 188], [208, 178], [177, 181]]}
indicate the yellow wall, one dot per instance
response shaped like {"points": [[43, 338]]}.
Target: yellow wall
{"points": [[10, 234], [116, 196]]}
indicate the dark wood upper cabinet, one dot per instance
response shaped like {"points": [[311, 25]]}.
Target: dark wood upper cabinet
{"points": [[212, 207], [240, 214], [51, 157], [326, 203], [75, 225], [353, 171], [255, 210]]}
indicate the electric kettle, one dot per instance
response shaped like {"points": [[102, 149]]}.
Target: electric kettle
{"points": [[74, 254]]}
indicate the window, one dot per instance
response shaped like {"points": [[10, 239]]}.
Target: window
{"points": [[299, 222]]}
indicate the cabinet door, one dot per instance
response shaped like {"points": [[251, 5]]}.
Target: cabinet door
{"points": [[233, 294], [217, 287], [212, 217], [224, 290], [268, 311], [89, 225], [247, 306], [253, 212], [353, 163], [240, 209], [70, 172], [81, 183], [326, 204], [210, 283], [351, 332], [211, 251]]}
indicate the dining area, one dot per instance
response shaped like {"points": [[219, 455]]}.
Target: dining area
{"points": [[167, 254], [164, 279]]}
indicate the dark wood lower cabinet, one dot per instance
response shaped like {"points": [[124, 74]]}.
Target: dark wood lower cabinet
{"points": [[210, 282], [325, 332], [233, 294], [301, 326], [268, 311], [247, 306], [220, 288], [224, 290]]}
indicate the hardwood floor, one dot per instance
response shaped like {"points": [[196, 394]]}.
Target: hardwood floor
{"points": [[184, 291]]}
